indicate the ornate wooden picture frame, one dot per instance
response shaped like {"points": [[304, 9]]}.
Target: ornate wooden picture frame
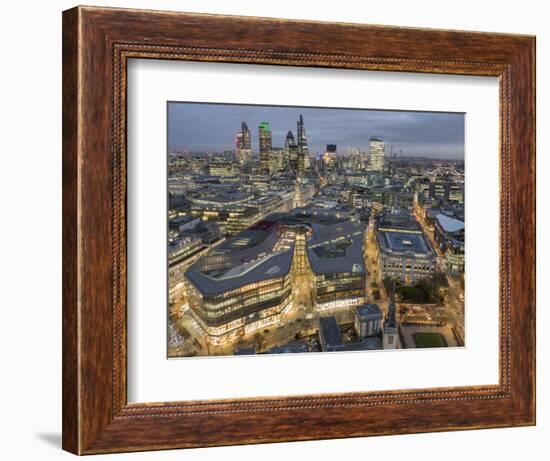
{"points": [[97, 44]]}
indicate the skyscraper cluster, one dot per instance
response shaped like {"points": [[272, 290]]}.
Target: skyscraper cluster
{"points": [[293, 157], [269, 254]]}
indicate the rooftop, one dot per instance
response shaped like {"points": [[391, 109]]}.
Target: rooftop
{"points": [[246, 239], [368, 344], [368, 309], [337, 248], [398, 221], [396, 241], [330, 332], [264, 268], [288, 348], [449, 224]]}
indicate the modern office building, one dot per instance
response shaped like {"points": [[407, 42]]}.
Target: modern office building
{"points": [[303, 149], [368, 320], [220, 166], [329, 334], [404, 251], [310, 257], [276, 160], [449, 237], [236, 211], [456, 192], [377, 152], [243, 286], [244, 145], [290, 153], [181, 254], [422, 187], [330, 158], [335, 252], [265, 146]]}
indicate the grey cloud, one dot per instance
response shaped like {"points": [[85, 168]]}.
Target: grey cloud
{"points": [[199, 126]]}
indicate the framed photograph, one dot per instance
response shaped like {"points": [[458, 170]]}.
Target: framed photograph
{"points": [[281, 230]]}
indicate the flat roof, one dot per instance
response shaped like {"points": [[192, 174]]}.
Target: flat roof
{"points": [[404, 242], [398, 221], [368, 344], [337, 248], [369, 309], [271, 266], [330, 331]]}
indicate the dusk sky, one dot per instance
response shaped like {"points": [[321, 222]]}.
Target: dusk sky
{"points": [[212, 127]]}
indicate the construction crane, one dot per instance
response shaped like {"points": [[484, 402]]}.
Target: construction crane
{"points": [[393, 155]]}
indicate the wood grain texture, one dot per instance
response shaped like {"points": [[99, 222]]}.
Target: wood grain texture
{"points": [[97, 43], [70, 384]]}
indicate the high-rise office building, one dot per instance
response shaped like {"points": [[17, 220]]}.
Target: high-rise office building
{"points": [[303, 150], [377, 152], [291, 152], [247, 144], [354, 159], [276, 159], [265, 146], [244, 145]]}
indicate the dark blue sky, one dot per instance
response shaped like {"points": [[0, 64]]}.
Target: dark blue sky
{"points": [[212, 127]]}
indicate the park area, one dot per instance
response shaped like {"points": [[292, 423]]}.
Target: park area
{"points": [[425, 339]]}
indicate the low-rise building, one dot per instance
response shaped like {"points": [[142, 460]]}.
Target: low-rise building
{"points": [[404, 251], [329, 334], [368, 320]]}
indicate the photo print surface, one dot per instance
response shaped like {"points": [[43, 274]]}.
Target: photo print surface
{"points": [[313, 229]]}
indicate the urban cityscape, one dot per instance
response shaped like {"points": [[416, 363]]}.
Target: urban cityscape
{"points": [[299, 229]]}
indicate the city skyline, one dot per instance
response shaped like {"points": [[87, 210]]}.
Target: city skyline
{"points": [[273, 249], [212, 127]]}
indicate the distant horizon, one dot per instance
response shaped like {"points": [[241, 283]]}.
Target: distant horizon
{"points": [[345, 154], [432, 135]]}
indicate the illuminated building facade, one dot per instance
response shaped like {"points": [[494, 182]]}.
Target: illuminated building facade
{"points": [[220, 166], [243, 145], [449, 237], [368, 320], [310, 258], [265, 147], [303, 149], [377, 152], [335, 254], [242, 287], [404, 252], [291, 153], [276, 160], [181, 254]]}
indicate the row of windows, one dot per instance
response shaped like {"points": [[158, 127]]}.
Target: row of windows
{"points": [[424, 267]]}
